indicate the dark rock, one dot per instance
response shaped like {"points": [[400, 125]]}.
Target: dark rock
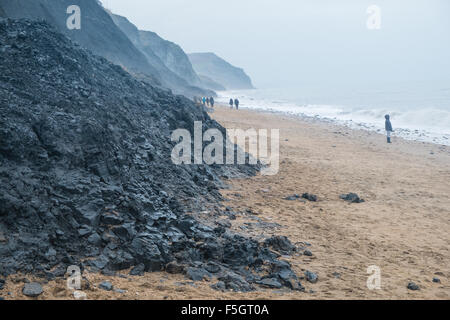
{"points": [[337, 275], [138, 270], [108, 272], [309, 197], [50, 255], [292, 198], [219, 286], [213, 267], [197, 274], [186, 225], [224, 223], [281, 244], [412, 286], [212, 250], [85, 230], [111, 219], [282, 270], [120, 259], [220, 230], [124, 232], [147, 252], [236, 282], [311, 277], [352, 198], [95, 239], [32, 289], [58, 272], [106, 285], [85, 284], [299, 287], [307, 253], [232, 216], [240, 251], [175, 268], [100, 263], [435, 280], [269, 283], [2, 283]]}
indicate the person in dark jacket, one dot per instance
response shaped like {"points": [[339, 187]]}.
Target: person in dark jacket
{"points": [[388, 126], [211, 101], [207, 102], [236, 103], [231, 103]]}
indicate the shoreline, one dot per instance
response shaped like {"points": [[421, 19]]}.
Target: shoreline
{"points": [[330, 124], [421, 135], [405, 134]]}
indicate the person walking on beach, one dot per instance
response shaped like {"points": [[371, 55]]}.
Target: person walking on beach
{"points": [[207, 102], [231, 103], [211, 101], [236, 103], [388, 126], [204, 100]]}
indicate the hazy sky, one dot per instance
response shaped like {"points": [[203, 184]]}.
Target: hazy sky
{"points": [[291, 42]]}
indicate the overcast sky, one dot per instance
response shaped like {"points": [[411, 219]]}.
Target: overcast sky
{"points": [[290, 42]]}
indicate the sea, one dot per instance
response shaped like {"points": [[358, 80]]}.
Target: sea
{"points": [[418, 112]]}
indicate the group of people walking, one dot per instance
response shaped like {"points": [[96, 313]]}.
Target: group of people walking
{"points": [[210, 102], [235, 103], [205, 101]]}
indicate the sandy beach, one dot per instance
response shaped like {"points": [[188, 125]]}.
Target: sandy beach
{"points": [[402, 227]]}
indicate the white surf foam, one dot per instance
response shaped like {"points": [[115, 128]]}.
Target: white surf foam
{"points": [[427, 124]]}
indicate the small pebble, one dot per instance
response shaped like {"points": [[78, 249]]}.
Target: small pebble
{"points": [[412, 286], [106, 285], [311, 277], [32, 289]]}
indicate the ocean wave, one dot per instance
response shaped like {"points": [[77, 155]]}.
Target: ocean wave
{"points": [[428, 124]]}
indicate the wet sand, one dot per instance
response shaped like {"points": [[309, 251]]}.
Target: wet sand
{"points": [[402, 227]]}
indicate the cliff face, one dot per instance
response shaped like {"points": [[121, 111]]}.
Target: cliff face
{"points": [[211, 84], [100, 34], [172, 55], [168, 58], [215, 68]]}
